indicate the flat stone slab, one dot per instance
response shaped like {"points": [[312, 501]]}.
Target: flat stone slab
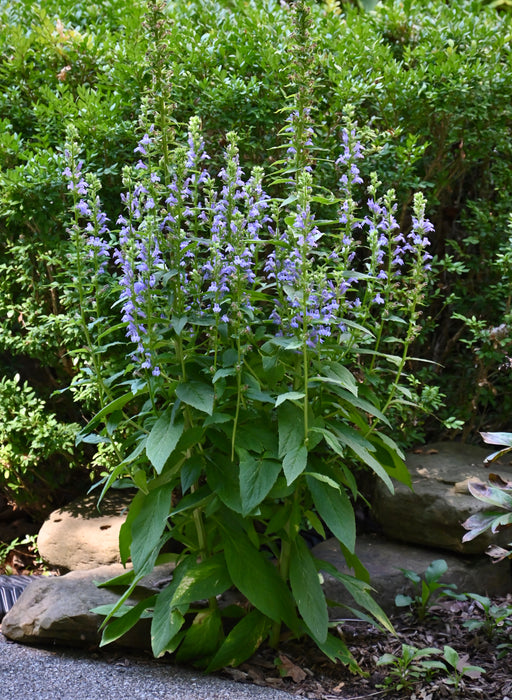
{"points": [[58, 608], [82, 536], [432, 513], [384, 559]]}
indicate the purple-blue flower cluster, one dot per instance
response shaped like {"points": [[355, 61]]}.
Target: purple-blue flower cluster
{"points": [[87, 206], [192, 248], [140, 261]]}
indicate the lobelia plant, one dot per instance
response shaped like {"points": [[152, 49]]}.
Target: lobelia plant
{"points": [[235, 343]]}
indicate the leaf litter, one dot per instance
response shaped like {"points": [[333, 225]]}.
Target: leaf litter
{"points": [[302, 670]]}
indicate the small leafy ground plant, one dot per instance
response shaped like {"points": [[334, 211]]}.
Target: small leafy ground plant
{"points": [[429, 589], [415, 665]]}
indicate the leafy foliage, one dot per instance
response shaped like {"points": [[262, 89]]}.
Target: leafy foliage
{"points": [[31, 438], [414, 665], [429, 589], [497, 493]]}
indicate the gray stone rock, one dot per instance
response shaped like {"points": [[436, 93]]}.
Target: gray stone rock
{"points": [[58, 608], [82, 536], [383, 559], [431, 514]]}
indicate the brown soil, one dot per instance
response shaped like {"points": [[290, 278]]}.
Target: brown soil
{"points": [[305, 672]]}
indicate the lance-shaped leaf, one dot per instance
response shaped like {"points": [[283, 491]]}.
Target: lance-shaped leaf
{"points": [[162, 440], [307, 590], [242, 641], [497, 438], [168, 620], [121, 625], [290, 423], [490, 494], [360, 592], [257, 578], [202, 580], [148, 527], [202, 639], [335, 509], [295, 462]]}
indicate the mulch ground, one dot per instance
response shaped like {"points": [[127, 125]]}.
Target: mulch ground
{"points": [[305, 672]]}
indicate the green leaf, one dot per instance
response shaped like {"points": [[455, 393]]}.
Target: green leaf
{"points": [[307, 590], [335, 509], [179, 323], [294, 463], [202, 639], [336, 650], [260, 437], [451, 656], [289, 396], [190, 472], [362, 447], [257, 578], [124, 579], [121, 625], [325, 479], [149, 525], [221, 373], [360, 591], [290, 423], [257, 476], [435, 570], [360, 403], [223, 480], [390, 456], [168, 620], [403, 601], [202, 580], [118, 605], [125, 532], [338, 375], [242, 641], [113, 406], [197, 394], [331, 439], [165, 626], [162, 440]]}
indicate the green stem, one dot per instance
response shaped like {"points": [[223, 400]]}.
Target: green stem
{"points": [[238, 397]]}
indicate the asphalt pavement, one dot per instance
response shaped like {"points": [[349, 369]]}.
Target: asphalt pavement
{"points": [[60, 673]]}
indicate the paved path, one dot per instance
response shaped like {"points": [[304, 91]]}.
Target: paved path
{"points": [[56, 673]]}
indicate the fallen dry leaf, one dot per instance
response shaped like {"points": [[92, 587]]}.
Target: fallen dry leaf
{"points": [[287, 669]]}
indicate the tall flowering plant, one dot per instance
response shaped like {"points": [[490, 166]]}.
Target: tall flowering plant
{"points": [[233, 341]]}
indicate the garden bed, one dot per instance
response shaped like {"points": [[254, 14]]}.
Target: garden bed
{"points": [[305, 672]]}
